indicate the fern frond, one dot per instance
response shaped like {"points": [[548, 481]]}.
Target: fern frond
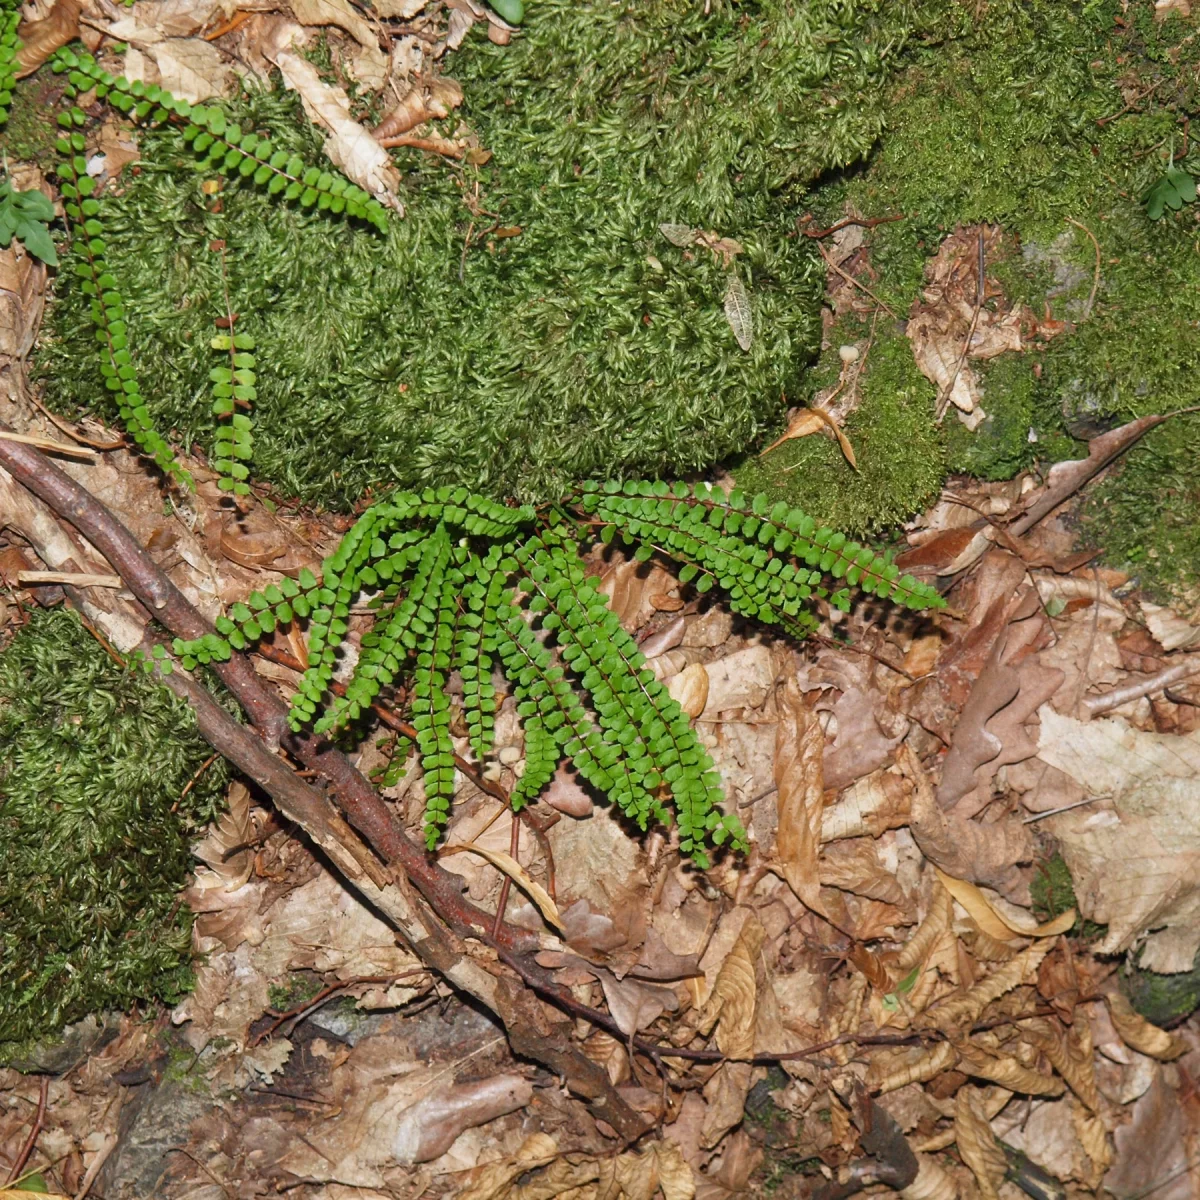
{"points": [[10, 18], [431, 706], [233, 386], [474, 647], [107, 307]]}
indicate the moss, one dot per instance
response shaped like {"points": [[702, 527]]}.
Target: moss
{"points": [[28, 136], [293, 991], [587, 345], [94, 831], [901, 462], [1162, 999], [1053, 892]]}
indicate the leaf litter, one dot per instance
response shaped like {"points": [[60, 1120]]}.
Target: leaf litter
{"points": [[868, 995]]}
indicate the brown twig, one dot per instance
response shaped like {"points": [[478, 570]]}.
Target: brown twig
{"points": [[191, 783], [440, 146], [514, 846], [35, 1130], [71, 431], [862, 287], [865, 222], [238, 19]]}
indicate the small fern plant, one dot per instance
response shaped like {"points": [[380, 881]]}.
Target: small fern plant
{"points": [[221, 146], [462, 584]]}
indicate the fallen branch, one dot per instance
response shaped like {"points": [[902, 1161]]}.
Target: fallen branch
{"points": [[1107, 701], [529, 1030]]}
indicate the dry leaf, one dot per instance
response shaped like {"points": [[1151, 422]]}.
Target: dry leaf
{"points": [[734, 995], [226, 847], [1093, 1137], [689, 689], [1151, 1154], [936, 922], [519, 876], [678, 235], [22, 299], [370, 65], [1135, 866], [1006, 1071], [1138, 1033], [1170, 631], [932, 1182], [977, 1145], [484, 1183], [869, 806], [894, 1069], [348, 145], [40, 39], [1070, 1054], [963, 1010], [1001, 925], [738, 312], [799, 751], [429, 1127], [191, 68]]}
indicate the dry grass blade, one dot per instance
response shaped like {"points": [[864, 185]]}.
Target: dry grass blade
{"points": [[977, 1144], [1138, 1033]]}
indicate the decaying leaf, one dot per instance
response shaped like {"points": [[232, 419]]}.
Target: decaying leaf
{"points": [[799, 751], [40, 39], [1069, 1052], [936, 922], [690, 689], [738, 312], [1005, 1070], [977, 1144], [349, 146], [1138, 1033], [808, 421], [868, 807], [734, 995], [1168, 629], [492, 1181], [191, 68], [894, 1069], [1136, 865], [933, 1182]]}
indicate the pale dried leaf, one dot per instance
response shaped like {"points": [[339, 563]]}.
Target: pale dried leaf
{"points": [[349, 146], [601, 1047], [1093, 1137], [1169, 630], [854, 866], [191, 68], [726, 1094], [1001, 923], [1006, 1071], [519, 876], [678, 235], [894, 1069], [634, 1005], [869, 806], [491, 1181], [799, 751], [1138, 1033], [1151, 1149], [735, 993], [674, 1175], [963, 1010], [1135, 866], [225, 848], [429, 1127], [738, 312], [933, 1182], [689, 689], [267, 1060], [977, 1145], [936, 922], [1070, 1054]]}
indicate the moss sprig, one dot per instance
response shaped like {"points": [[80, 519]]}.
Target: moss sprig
{"points": [[464, 584]]}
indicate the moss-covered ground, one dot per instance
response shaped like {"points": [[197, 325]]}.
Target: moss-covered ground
{"points": [[95, 820], [1032, 114]]}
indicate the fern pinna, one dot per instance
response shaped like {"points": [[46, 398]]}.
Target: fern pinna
{"points": [[221, 146], [462, 583]]}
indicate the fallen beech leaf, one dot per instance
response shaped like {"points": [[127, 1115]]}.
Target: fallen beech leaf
{"points": [[1138, 1033], [799, 750], [348, 145], [689, 689], [259, 549], [428, 99], [937, 921], [226, 848], [964, 1009], [1152, 1149], [894, 1069], [565, 793], [870, 806], [738, 312], [1136, 866], [486, 1182], [932, 1182], [519, 876], [977, 1145], [1170, 631], [1069, 1052], [1007, 1071], [429, 1127], [191, 68], [1093, 1137], [992, 922], [40, 39], [735, 993], [809, 421]]}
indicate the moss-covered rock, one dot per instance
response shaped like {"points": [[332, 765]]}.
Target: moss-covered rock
{"points": [[585, 345], [94, 832]]}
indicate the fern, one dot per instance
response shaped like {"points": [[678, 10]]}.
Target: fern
{"points": [[464, 584], [221, 146], [10, 18]]}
